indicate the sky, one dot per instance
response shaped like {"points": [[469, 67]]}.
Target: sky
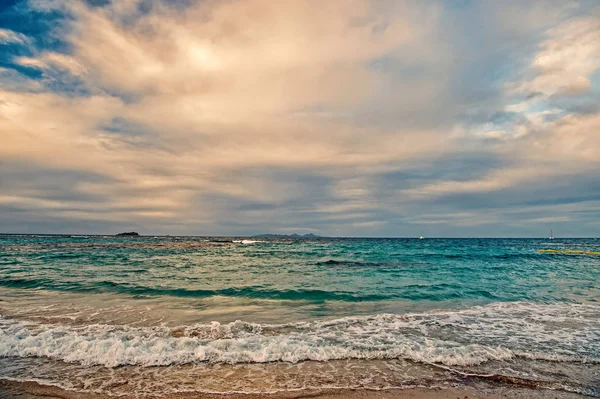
{"points": [[340, 118]]}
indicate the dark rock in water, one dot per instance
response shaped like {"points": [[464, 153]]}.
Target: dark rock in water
{"points": [[129, 233]]}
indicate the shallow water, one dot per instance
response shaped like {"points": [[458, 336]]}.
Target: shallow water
{"points": [[164, 314]]}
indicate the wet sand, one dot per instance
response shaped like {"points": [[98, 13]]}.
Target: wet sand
{"points": [[30, 390]]}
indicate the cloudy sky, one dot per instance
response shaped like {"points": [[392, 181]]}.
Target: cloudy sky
{"points": [[346, 118]]}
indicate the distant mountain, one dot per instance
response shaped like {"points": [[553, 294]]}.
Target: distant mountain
{"points": [[129, 233], [309, 235]]}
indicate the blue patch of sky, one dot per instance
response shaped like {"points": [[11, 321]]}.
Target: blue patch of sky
{"points": [[97, 3], [42, 27], [30, 73], [143, 8], [43, 30], [46, 29]]}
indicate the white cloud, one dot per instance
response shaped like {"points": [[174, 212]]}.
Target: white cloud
{"points": [[566, 59], [8, 36]]}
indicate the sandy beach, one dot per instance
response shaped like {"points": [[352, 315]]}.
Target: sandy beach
{"points": [[30, 390]]}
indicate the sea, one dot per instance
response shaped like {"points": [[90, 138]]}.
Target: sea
{"points": [[150, 316]]}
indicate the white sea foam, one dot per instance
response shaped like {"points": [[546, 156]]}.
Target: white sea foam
{"points": [[554, 332], [246, 242]]}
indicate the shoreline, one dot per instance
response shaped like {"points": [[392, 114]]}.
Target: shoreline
{"points": [[34, 390]]}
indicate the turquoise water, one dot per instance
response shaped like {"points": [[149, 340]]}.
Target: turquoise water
{"points": [[184, 307], [438, 270]]}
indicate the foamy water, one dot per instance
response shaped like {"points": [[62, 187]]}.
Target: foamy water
{"points": [[558, 332]]}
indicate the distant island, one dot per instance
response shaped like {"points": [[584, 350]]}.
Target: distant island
{"points": [[309, 235], [129, 233]]}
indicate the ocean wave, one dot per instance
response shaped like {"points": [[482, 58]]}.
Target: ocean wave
{"points": [[497, 332], [415, 292], [256, 292]]}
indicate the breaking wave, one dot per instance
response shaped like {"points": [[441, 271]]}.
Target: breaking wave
{"points": [[554, 332]]}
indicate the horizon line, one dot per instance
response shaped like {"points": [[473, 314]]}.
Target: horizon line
{"points": [[316, 236]]}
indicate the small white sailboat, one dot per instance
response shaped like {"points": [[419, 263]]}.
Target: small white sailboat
{"points": [[421, 238], [551, 236]]}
